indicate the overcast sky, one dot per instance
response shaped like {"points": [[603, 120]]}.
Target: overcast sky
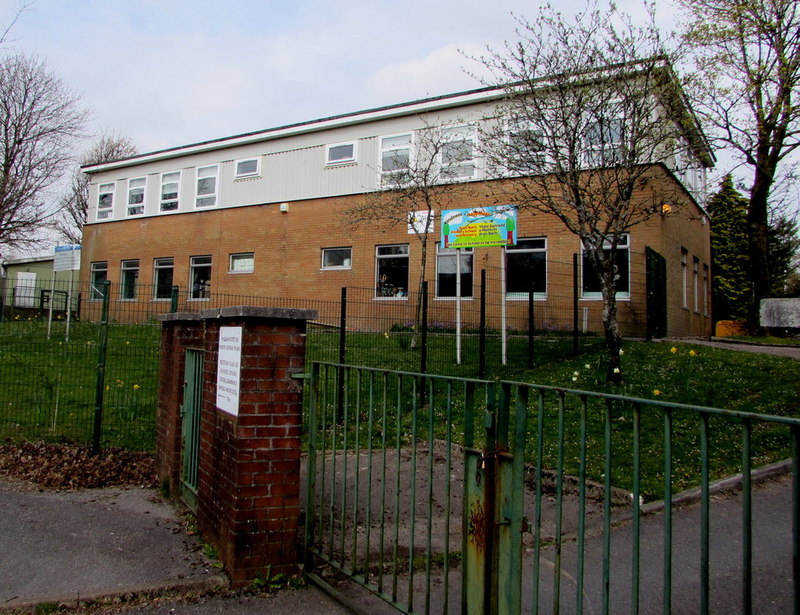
{"points": [[172, 72]]}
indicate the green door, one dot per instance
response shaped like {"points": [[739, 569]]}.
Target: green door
{"points": [[190, 426]]}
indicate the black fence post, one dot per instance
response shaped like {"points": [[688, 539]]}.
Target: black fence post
{"points": [[575, 303], [101, 370], [342, 355], [531, 326], [482, 330], [423, 356], [173, 299]]}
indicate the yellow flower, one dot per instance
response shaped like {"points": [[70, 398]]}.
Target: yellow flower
{"points": [[136, 387], [616, 370], [656, 392], [621, 352], [692, 353], [386, 334], [673, 350]]}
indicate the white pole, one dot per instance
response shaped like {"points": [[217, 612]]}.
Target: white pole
{"points": [[69, 302], [50, 311], [458, 306], [504, 333]]}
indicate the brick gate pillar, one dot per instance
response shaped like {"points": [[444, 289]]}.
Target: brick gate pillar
{"points": [[248, 484]]}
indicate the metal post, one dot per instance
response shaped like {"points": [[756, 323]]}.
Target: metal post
{"points": [[173, 299], [530, 327], [101, 370], [423, 356], [575, 303], [342, 354], [482, 330]]}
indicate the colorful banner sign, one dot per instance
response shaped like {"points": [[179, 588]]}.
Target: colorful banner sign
{"points": [[479, 227]]}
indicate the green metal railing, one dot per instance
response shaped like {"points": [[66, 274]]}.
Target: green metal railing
{"points": [[455, 495]]}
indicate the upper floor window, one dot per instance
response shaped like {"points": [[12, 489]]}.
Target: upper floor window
{"points": [[243, 262], [592, 288], [603, 142], [526, 147], [337, 258], [459, 152], [206, 186], [526, 268], [136, 196], [249, 167], [105, 201], [395, 156], [340, 153], [170, 186]]}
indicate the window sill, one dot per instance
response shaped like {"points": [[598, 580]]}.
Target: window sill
{"points": [[453, 298], [403, 298]]}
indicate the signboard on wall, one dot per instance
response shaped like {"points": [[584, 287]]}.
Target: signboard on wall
{"points": [[67, 258], [479, 227], [229, 357]]}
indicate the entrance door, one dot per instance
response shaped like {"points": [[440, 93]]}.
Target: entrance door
{"points": [[656, 294], [25, 293], [190, 426]]}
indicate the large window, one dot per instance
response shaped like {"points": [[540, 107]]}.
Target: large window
{"points": [[526, 151], [206, 186], [163, 269], [685, 278], [603, 142], [200, 277], [170, 187], [129, 276], [391, 271], [105, 201], [696, 282], [337, 258], [395, 157], [242, 262], [526, 268], [250, 167], [341, 153], [447, 272], [98, 275], [591, 282], [459, 152], [136, 196]]}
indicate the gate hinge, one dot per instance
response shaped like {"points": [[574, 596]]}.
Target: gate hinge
{"points": [[300, 376]]}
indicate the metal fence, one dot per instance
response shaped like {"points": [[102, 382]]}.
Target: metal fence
{"points": [[433, 493]]}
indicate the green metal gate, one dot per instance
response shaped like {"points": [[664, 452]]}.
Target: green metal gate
{"points": [[190, 425], [447, 495]]}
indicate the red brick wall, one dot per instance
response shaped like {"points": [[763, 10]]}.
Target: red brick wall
{"points": [[248, 498]]}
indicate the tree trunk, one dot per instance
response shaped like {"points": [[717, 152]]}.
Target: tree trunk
{"points": [[758, 222], [611, 331]]}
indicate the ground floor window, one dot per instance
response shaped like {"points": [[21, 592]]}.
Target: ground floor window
{"points": [[200, 277], [128, 279], [99, 274], [526, 266], [243, 262], [162, 278], [391, 271], [337, 258], [446, 271], [590, 280]]}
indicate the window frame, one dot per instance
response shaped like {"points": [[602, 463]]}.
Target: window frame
{"points": [[206, 290], [474, 160], [256, 173], [135, 205], [95, 268], [352, 159], [379, 284], [160, 264], [107, 211], [348, 261], [624, 295], [128, 289], [388, 176], [523, 295], [513, 127], [596, 154], [213, 195], [176, 199], [455, 253], [243, 256], [696, 282], [684, 278]]}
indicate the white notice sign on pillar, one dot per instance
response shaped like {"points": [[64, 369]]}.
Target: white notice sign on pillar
{"points": [[229, 358]]}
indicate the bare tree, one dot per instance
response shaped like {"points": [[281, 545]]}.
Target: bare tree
{"points": [[416, 183], [592, 104], [748, 72], [5, 29], [39, 119], [75, 203]]}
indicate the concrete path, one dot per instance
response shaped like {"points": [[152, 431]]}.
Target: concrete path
{"points": [[792, 352]]}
